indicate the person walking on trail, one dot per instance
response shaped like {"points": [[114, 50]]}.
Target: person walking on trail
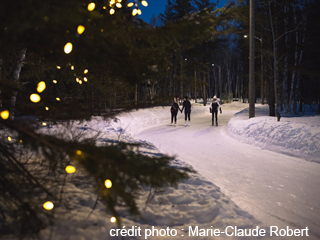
{"points": [[214, 108], [174, 110], [187, 110]]}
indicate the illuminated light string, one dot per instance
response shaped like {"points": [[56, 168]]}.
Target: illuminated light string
{"points": [[70, 169], [4, 114], [41, 86], [48, 205], [108, 183], [113, 219], [9, 139], [35, 98]]}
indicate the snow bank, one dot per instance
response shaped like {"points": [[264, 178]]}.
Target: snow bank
{"points": [[294, 135]]}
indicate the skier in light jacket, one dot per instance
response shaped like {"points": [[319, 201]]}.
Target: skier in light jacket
{"points": [[214, 108]]}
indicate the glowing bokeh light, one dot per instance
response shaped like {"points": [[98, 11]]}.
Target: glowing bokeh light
{"points": [[47, 108], [44, 124], [144, 3], [134, 12], [48, 206], [58, 67], [9, 139], [35, 98], [91, 6], [130, 4], [119, 5], [112, 11], [68, 48], [108, 183], [41, 86], [4, 114], [72, 67], [80, 29], [113, 219], [139, 11], [85, 71], [70, 169], [58, 99], [85, 79], [78, 152], [54, 81]]}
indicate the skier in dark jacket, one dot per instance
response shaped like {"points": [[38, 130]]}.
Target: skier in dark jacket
{"points": [[187, 110], [174, 110], [214, 108]]}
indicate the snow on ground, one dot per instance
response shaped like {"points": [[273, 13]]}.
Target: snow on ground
{"points": [[297, 136]]}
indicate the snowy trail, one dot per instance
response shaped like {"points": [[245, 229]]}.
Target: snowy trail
{"points": [[276, 189]]}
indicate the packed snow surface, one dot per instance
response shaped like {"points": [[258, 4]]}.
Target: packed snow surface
{"points": [[237, 184]]}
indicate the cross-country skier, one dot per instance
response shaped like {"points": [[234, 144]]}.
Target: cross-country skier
{"points": [[187, 110], [214, 108], [174, 110]]}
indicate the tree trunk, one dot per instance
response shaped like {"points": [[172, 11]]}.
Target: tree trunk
{"points": [[252, 62], [16, 76], [195, 86], [204, 90]]}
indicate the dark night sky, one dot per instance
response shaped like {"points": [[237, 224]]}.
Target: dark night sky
{"points": [[157, 6]]}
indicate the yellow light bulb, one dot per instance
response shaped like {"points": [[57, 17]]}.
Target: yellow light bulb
{"points": [[119, 1], [80, 29], [80, 82], [108, 183], [130, 4], [102, 29], [58, 99], [119, 5], [104, 7], [68, 48], [70, 169], [72, 67], [112, 1], [54, 81], [58, 67], [20, 141], [44, 124], [35, 98], [86, 71], [113, 219], [9, 139], [144, 3], [4, 114], [41, 86], [47, 108], [77, 79], [85, 79], [139, 11], [112, 11], [134, 12], [91, 6], [48, 205], [78, 152]]}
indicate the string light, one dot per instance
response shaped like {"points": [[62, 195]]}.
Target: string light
{"points": [[77, 79], [104, 7], [4, 114], [113, 219], [130, 4], [112, 11], [35, 98], [78, 152], [68, 48], [58, 99], [41, 86], [72, 67], [108, 183], [80, 29], [80, 82], [91, 6], [48, 206], [85, 71], [134, 12], [119, 5], [58, 67], [47, 108], [139, 11], [54, 81], [85, 79], [9, 139], [70, 169], [144, 3]]}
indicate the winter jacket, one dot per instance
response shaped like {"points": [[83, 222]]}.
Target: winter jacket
{"points": [[186, 106], [175, 107], [215, 106]]}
